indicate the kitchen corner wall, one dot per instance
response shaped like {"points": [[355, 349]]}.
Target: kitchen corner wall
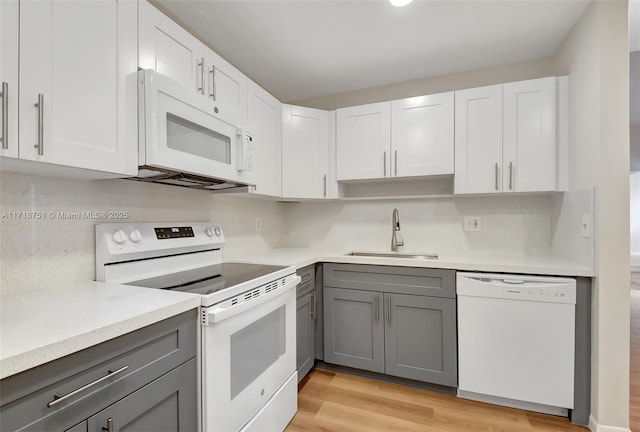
{"points": [[59, 249], [510, 224]]}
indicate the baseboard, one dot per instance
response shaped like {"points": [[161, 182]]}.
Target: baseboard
{"points": [[595, 427]]}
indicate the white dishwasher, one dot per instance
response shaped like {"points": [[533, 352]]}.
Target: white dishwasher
{"points": [[516, 340]]}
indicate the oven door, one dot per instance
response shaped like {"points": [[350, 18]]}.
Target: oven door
{"points": [[246, 357], [179, 131]]}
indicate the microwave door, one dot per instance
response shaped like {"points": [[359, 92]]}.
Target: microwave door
{"points": [[182, 134]]}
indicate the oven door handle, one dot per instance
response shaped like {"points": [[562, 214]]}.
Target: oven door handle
{"points": [[218, 313]]}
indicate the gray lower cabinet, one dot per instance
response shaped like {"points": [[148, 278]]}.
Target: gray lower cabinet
{"points": [[354, 328], [420, 338], [305, 322], [392, 320], [166, 404], [149, 370]]}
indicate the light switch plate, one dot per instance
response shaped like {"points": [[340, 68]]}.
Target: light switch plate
{"points": [[472, 223]]}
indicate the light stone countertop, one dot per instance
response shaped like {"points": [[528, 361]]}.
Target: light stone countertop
{"points": [[40, 326], [482, 262]]}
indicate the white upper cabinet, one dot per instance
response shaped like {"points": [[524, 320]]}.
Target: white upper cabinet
{"points": [[478, 140], [506, 138], [226, 87], [422, 135], [305, 152], [265, 122], [9, 77], [77, 97], [169, 49], [363, 142], [529, 125], [403, 138]]}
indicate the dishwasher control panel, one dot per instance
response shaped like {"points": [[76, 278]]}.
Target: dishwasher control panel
{"points": [[524, 288]]}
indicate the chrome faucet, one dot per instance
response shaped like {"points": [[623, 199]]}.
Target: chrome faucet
{"points": [[396, 234]]}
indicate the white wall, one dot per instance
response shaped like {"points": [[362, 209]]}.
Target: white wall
{"points": [[510, 224], [634, 198], [596, 56], [54, 252]]}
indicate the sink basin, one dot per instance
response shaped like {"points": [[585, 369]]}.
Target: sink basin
{"points": [[425, 256]]}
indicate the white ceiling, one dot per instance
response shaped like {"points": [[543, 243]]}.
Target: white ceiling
{"points": [[298, 49]]}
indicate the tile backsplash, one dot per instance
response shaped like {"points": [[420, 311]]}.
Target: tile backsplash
{"points": [[46, 242], [53, 246]]}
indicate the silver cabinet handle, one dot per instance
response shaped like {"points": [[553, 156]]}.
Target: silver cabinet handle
{"points": [[377, 309], [212, 74], [324, 185], [384, 163], [201, 65], [396, 161], [59, 399], [510, 175], [496, 175], [313, 306], [389, 310], [109, 426], [5, 115], [40, 106]]}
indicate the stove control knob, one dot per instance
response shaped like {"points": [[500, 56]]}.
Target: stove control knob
{"points": [[214, 230], [135, 236], [119, 237]]}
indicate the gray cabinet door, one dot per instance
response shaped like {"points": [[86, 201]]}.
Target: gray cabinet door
{"points": [[166, 404], [354, 328], [420, 338], [305, 334]]}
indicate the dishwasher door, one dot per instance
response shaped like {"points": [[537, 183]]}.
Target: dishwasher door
{"points": [[516, 338]]}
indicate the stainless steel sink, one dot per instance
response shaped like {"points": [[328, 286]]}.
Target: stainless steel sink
{"points": [[426, 256]]}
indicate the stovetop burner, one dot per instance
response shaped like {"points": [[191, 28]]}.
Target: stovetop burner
{"points": [[209, 279]]}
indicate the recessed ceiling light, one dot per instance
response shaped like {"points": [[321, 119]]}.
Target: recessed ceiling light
{"points": [[399, 3]]}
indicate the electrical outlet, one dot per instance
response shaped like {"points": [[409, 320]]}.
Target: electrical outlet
{"points": [[585, 227], [258, 224], [472, 223]]}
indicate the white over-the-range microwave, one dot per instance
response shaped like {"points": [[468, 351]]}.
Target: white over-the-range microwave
{"points": [[183, 142]]}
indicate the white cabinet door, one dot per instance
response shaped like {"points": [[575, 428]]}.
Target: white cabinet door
{"points": [[227, 88], [169, 49], [529, 151], [9, 77], [265, 121], [305, 152], [422, 135], [478, 140], [81, 73], [363, 141]]}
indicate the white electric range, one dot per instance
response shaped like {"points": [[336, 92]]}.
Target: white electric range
{"points": [[247, 340]]}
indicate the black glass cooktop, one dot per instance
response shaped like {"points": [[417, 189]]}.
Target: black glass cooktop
{"points": [[210, 279]]}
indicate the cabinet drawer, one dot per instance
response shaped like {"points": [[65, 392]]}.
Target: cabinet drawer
{"points": [[307, 283], [147, 354], [399, 280]]}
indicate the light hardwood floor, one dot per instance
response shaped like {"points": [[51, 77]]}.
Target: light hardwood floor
{"points": [[330, 401]]}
